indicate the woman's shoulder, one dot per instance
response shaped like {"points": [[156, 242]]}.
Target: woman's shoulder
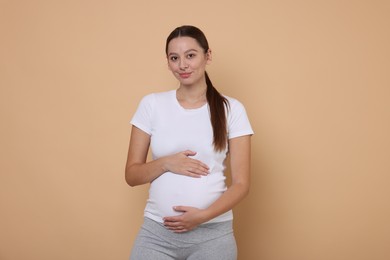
{"points": [[161, 94], [233, 102], [154, 96]]}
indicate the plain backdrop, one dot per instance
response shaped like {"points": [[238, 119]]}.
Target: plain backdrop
{"points": [[313, 76]]}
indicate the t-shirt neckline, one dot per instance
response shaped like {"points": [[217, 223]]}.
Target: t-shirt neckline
{"points": [[188, 110]]}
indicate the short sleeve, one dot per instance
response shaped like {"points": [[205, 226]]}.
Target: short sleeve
{"points": [[142, 118], [238, 122]]}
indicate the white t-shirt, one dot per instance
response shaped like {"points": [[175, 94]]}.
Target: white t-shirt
{"points": [[174, 129]]}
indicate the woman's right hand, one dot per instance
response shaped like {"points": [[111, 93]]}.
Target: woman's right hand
{"points": [[182, 164]]}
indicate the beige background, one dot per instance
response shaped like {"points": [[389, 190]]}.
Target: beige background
{"points": [[313, 75]]}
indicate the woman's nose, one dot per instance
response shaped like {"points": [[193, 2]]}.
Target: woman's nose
{"points": [[183, 65]]}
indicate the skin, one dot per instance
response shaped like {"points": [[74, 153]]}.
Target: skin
{"points": [[187, 61]]}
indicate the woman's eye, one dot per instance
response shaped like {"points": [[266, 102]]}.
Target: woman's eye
{"points": [[173, 58], [191, 55]]}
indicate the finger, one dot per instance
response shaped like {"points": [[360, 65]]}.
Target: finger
{"points": [[181, 231], [200, 165], [172, 225], [198, 162], [191, 174], [180, 208], [205, 166], [178, 229], [172, 220], [189, 153], [175, 226], [197, 171]]}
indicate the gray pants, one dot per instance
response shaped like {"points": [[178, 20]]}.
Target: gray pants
{"points": [[211, 241]]}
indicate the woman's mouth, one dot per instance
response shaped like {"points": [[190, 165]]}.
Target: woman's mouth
{"points": [[184, 75]]}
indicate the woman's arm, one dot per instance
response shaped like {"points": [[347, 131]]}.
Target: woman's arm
{"points": [[138, 171], [240, 153], [136, 160]]}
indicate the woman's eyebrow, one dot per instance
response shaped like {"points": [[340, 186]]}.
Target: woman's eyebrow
{"points": [[187, 51], [191, 50]]}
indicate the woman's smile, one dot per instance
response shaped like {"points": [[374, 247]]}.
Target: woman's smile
{"points": [[185, 75]]}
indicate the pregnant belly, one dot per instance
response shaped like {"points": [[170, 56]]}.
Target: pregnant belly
{"points": [[171, 190]]}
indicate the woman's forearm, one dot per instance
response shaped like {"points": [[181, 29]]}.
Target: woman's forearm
{"points": [[139, 172], [240, 170], [142, 173], [230, 198]]}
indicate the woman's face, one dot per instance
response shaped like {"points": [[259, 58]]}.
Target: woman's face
{"points": [[187, 60]]}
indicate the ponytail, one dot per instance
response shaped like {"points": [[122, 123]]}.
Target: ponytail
{"points": [[218, 105]]}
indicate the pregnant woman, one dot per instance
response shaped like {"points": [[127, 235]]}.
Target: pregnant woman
{"points": [[191, 130]]}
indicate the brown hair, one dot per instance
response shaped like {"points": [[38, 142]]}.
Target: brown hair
{"points": [[217, 103]]}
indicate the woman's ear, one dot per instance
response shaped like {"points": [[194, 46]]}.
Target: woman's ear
{"points": [[209, 56]]}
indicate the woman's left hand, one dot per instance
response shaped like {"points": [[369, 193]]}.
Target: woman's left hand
{"points": [[190, 219]]}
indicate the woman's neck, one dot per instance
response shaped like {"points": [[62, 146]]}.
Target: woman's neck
{"points": [[192, 97]]}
